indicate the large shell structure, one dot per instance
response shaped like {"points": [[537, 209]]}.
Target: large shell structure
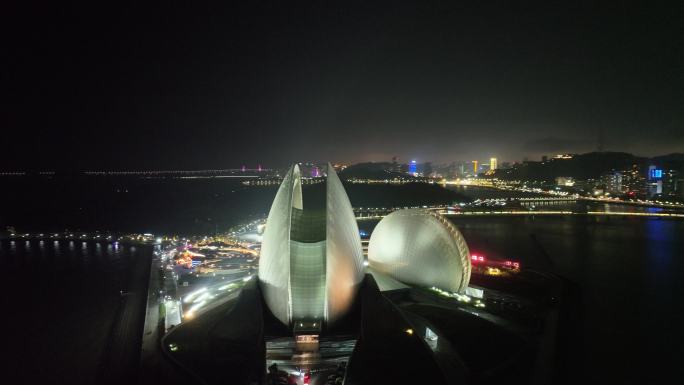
{"points": [[420, 247]]}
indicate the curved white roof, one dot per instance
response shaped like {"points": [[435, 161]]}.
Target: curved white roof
{"points": [[344, 270], [274, 262], [420, 247], [303, 278]]}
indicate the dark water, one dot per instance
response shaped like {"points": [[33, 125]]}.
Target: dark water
{"points": [[630, 274], [169, 206], [61, 303]]}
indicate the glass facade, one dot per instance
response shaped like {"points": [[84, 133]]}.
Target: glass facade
{"points": [[307, 280]]}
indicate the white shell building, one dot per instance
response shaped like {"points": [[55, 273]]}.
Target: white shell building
{"points": [[311, 260], [420, 247]]}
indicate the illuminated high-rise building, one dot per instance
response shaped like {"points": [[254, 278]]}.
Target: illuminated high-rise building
{"points": [[475, 167], [413, 168], [613, 182], [492, 164]]}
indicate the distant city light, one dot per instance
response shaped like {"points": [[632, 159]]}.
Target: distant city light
{"points": [[563, 156], [412, 167]]}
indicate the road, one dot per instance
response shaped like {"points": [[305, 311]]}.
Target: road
{"points": [[149, 353]]}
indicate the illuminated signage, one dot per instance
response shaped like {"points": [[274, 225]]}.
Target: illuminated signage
{"points": [[656, 173]]}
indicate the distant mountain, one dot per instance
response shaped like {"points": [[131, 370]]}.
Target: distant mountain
{"points": [[675, 156], [675, 160], [586, 166]]}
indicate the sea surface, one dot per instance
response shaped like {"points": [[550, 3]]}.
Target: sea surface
{"points": [[64, 316], [197, 206]]}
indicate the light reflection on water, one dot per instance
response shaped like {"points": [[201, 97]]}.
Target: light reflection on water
{"points": [[626, 269], [661, 249], [85, 253], [61, 299]]}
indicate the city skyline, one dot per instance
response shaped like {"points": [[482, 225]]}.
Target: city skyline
{"points": [[478, 162]]}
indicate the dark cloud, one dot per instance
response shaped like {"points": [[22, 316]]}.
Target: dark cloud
{"points": [[150, 86]]}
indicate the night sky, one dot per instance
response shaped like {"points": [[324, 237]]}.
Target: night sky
{"points": [[164, 87]]}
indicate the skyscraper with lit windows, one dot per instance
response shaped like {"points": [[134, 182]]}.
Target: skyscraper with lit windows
{"points": [[413, 168]]}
